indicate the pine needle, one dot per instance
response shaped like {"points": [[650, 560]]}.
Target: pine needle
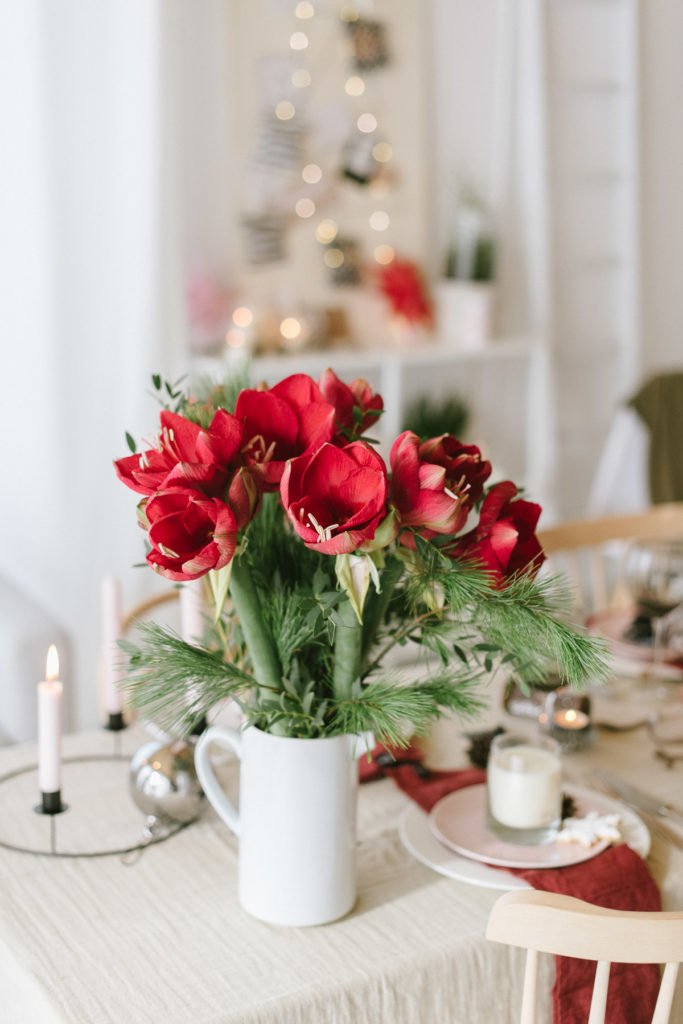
{"points": [[175, 683]]}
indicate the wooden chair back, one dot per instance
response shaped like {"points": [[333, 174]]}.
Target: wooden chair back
{"points": [[592, 553], [543, 922], [143, 608]]}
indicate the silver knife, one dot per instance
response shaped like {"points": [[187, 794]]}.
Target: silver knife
{"points": [[642, 801]]}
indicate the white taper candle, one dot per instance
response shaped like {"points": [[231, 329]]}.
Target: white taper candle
{"points": [[112, 620], [50, 726], [192, 611]]}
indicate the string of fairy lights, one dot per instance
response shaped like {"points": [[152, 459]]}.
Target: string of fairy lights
{"points": [[325, 230]]}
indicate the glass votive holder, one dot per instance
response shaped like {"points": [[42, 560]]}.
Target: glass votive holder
{"points": [[566, 717], [527, 701], [524, 790]]}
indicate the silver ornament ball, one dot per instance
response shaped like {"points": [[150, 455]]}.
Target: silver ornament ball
{"points": [[163, 781]]}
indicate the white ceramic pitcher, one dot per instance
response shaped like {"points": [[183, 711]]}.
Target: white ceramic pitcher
{"points": [[296, 823]]}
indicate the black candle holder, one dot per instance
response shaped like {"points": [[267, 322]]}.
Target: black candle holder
{"points": [[116, 724], [51, 803], [53, 840]]}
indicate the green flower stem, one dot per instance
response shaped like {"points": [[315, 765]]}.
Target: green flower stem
{"points": [[377, 604], [259, 642], [347, 647]]}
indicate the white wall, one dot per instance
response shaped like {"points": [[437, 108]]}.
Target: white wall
{"points": [[662, 182]]}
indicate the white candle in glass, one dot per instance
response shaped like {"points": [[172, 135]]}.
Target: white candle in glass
{"points": [[50, 726], [192, 611], [112, 620], [525, 786]]}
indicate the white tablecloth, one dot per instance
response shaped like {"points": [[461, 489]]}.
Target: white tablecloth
{"points": [[164, 941]]}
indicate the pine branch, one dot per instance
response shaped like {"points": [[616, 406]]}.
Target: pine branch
{"points": [[523, 623], [386, 708], [175, 683]]}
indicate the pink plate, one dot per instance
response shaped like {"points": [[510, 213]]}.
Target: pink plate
{"points": [[459, 821]]}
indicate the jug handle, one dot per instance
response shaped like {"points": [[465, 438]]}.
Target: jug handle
{"points": [[230, 739]]}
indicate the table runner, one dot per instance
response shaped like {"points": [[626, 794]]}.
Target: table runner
{"points": [[617, 878]]}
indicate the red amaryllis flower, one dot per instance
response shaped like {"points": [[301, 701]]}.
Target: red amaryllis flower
{"points": [[356, 407], [186, 456], [282, 423], [336, 499], [189, 533], [466, 471], [420, 490], [504, 540]]}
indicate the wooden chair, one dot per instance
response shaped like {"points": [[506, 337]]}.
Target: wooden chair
{"points": [[543, 922], [143, 608], [583, 551]]}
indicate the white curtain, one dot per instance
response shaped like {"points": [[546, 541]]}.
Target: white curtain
{"points": [[95, 214]]}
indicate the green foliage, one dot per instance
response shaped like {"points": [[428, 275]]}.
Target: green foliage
{"points": [[385, 707], [483, 264], [175, 683], [169, 395], [208, 396], [523, 625], [428, 417]]}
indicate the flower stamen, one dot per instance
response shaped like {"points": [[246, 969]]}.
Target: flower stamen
{"points": [[324, 532]]}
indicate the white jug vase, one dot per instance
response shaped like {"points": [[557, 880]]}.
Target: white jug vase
{"points": [[296, 822]]}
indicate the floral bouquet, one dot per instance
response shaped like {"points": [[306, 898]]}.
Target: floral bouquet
{"points": [[321, 560]]}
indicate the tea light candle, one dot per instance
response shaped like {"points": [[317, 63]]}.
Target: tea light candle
{"points": [[570, 718], [525, 786], [50, 726], [567, 718]]}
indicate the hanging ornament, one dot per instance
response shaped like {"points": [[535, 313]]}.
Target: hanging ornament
{"points": [[264, 238], [358, 161], [342, 257], [368, 41]]}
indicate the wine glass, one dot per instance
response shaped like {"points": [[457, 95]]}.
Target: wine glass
{"points": [[654, 575]]}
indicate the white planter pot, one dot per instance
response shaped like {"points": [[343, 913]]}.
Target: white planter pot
{"points": [[296, 823], [464, 313]]}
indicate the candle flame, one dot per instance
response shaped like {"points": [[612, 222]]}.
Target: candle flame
{"points": [[52, 664], [571, 715]]}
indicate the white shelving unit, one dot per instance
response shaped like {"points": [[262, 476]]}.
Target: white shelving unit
{"points": [[497, 383]]}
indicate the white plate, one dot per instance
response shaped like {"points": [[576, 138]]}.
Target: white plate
{"points": [[419, 840]]}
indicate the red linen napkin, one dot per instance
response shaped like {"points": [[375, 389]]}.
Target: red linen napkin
{"points": [[618, 879]]}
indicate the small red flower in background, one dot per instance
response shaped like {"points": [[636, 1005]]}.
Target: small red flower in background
{"points": [[401, 283], [336, 499], [189, 533], [282, 423], [504, 540], [356, 407]]}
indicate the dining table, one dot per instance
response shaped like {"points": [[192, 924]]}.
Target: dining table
{"points": [[159, 937]]}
